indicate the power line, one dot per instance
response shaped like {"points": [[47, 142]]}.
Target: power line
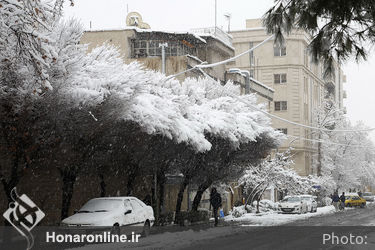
{"points": [[307, 126], [204, 65], [327, 142]]}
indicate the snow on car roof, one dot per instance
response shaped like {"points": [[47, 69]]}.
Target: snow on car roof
{"points": [[116, 198], [351, 194]]}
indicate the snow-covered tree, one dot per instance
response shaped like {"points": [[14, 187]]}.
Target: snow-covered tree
{"points": [[274, 171], [342, 158], [65, 107]]}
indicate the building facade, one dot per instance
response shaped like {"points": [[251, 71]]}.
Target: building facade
{"points": [[299, 85], [183, 50]]}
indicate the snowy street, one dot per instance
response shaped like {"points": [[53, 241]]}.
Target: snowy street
{"points": [[287, 232]]}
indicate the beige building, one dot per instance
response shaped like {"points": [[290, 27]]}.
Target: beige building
{"points": [[299, 86], [184, 50]]}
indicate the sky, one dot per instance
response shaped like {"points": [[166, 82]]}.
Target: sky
{"points": [[176, 15]]}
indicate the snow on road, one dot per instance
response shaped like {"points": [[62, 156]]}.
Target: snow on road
{"points": [[274, 218], [174, 240]]}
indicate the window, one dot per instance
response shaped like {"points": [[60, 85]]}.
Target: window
{"points": [[136, 206], [282, 105], [279, 78], [146, 48], [127, 204], [279, 50], [283, 130]]}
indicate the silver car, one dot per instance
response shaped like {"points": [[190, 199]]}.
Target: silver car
{"points": [[293, 204], [312, 205], [368, 196]]}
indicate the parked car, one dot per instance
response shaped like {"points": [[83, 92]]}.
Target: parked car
{"points": [[353, 200], [293, 204], [368, 196], [120, 214], [312, 205]]}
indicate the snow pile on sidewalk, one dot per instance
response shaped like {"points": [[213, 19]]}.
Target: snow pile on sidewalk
{"points": [[274, 218], [264, 206]]}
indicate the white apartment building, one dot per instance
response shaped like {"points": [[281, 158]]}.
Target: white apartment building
{"points": [[298, 84]]}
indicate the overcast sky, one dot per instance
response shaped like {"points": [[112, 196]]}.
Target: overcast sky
{"points": [[184, 15]]}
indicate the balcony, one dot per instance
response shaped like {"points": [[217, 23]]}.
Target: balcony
{"points": [[216, 33]]}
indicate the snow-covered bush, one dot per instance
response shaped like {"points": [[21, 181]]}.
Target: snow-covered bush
{"points": [[238, 211]]}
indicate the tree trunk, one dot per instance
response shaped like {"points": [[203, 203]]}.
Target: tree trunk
{"points": [[258, 199], [102, 185], [133, 173], [13, 182], [68, 178], [319, 167], [160, 195], [198, 196], [180, 196]]}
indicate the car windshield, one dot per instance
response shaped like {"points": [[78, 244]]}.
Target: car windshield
{"points": [[291, 199], [100, 205], [306, 198], [367, 194]]}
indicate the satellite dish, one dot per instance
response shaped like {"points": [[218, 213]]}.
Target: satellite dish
{"points": [[135, 19]]}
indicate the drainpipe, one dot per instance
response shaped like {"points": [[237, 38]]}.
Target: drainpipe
{"points": [[163, 45], [247, 82]]}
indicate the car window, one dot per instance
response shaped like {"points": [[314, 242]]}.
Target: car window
{"points": [[100, 205], [139, 202], [291, 199], [136, 206], [367, 194], [127, 204]]}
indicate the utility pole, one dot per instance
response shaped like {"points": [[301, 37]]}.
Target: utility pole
{"points": [[215, 16], [163, 45], [228, 17]]}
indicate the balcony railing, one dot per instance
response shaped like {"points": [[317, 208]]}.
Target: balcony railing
{"points": [[215, 32]]}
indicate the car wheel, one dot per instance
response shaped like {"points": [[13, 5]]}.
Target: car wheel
{"points": [[115, 229], [146, 229], [362, 205]]}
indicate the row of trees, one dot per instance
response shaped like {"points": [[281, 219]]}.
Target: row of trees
{"points": [[345, 158], [79, 112]]}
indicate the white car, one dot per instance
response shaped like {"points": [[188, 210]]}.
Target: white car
{"points": [[127, 214], [312, 205], [293, 204]]}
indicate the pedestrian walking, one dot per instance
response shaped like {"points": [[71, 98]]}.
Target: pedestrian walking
{"points": [[342, 201], [215, 202], [335, 201]]}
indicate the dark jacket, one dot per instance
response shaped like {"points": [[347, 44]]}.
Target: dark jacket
{"points": [[342, 198], [335, 198], [215, 200]]}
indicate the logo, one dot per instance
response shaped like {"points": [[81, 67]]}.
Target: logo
{"points": [[24, 215]]}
